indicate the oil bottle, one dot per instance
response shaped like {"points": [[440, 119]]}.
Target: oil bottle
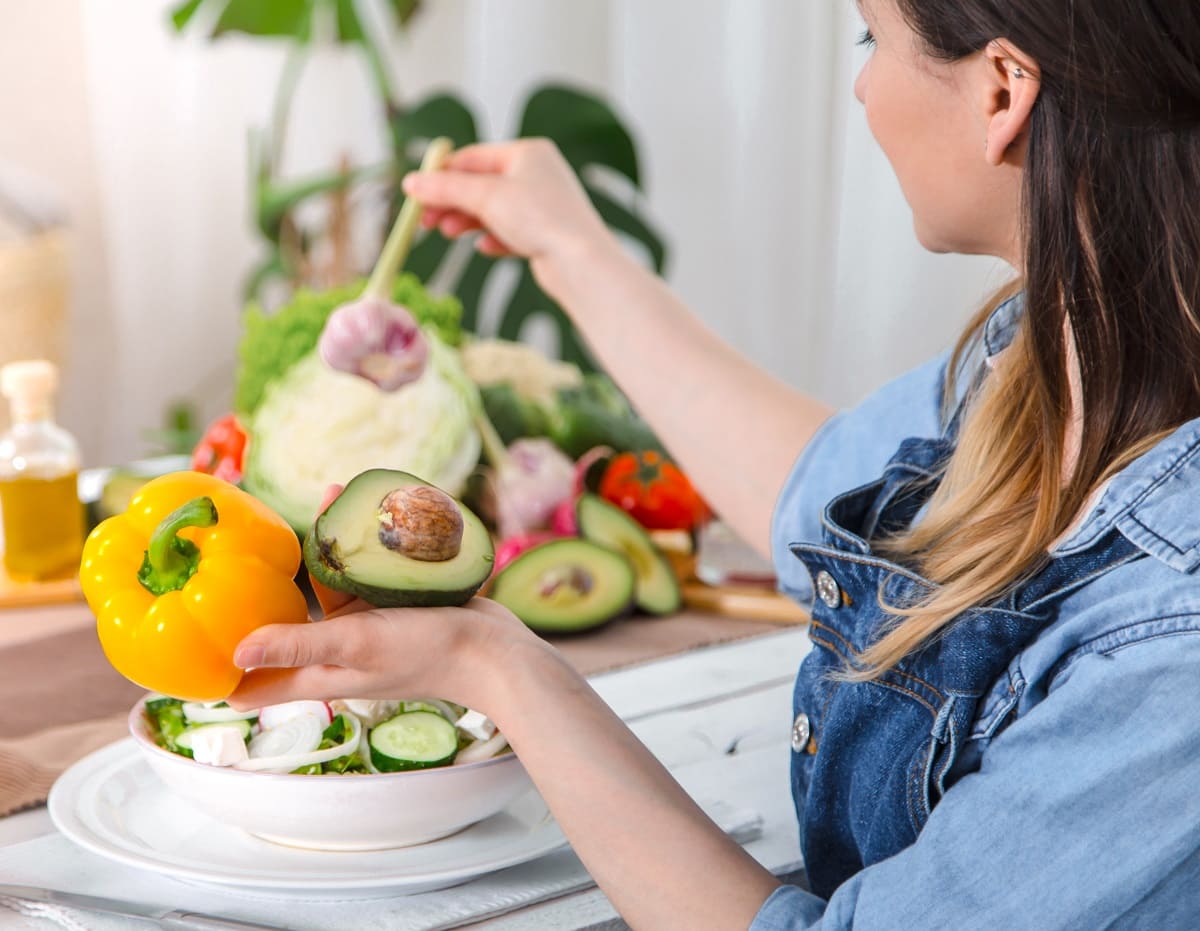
{"points": [[43, 518]]}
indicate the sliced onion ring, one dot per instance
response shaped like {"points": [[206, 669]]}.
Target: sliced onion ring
{"points": [[481, 750], [200, 713], [286, 762]]}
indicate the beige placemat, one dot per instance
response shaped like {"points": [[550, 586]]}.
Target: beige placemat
{"points": [[60, 699]]}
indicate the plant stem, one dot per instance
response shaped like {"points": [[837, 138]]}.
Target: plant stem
{"points": [[285, 93], [493, 447], [399, 241]]}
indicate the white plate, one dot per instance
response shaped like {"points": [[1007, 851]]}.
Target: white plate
{"points": [[112, 804]]}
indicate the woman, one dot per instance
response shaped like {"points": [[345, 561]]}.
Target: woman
{"points": [[997, 725]]}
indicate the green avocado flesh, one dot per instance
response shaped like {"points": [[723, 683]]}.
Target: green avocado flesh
{"points": [[566, 586], [344, 550], [657, 589]]}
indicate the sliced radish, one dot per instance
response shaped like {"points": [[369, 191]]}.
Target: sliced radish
{"points": [[274, 715], [283, 754], [205, 713]]}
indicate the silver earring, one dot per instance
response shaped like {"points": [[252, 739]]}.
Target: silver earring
{"points": [[1018, 72]]}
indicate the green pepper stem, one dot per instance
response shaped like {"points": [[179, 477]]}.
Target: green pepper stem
{"points": [[400, 240], [170, 560]]}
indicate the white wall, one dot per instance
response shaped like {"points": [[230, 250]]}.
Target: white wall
{"points": [[787, 232]]}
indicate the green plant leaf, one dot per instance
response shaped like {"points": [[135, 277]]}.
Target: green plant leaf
{"points": [[270, 268], [349, 26], [437, 115], [404, 10], [527, 301], [584, 127], [428, 255], [276, 198], [620, 218], [182, 14], [288, 19]]}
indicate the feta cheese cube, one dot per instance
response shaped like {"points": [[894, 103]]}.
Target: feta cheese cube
{"points": [[219, 745], [369, 711], [476, 724]]}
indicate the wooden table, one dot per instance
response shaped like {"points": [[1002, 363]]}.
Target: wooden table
{"points": [[717, 716]]}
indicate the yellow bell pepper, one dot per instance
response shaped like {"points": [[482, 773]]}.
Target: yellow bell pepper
{"points": [[178, 580]]}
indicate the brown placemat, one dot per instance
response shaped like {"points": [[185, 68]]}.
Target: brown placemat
{"points": [[60, 699]]}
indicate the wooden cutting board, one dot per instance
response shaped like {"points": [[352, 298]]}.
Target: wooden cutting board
{"points": [[752, 603], [17, 594]]}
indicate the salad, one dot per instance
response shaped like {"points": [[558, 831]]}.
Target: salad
{"points": [[316, 738]]}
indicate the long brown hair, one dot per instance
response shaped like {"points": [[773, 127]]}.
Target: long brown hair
{"points": [[1111, 231]]}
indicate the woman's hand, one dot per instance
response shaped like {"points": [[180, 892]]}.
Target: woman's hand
{"points": [[522, 194], [365, 652]]}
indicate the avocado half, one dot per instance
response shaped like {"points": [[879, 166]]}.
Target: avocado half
{"points": [[395, 540], [566, 586], [657, 588]]}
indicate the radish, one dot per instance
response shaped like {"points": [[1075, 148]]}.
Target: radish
{"points": [[563, 521], [514, 546]]}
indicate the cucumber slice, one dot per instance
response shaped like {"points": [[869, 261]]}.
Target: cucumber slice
{"points": [[413, 740], [185, 737]]}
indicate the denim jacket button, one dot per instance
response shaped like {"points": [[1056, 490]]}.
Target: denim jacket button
{"points": [[828, 591], [800, 732]]}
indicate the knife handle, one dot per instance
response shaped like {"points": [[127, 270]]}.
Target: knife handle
{"points": [[199, 922]]}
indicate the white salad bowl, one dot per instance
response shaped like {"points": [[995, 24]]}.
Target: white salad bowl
{"points": [[332, 812]]}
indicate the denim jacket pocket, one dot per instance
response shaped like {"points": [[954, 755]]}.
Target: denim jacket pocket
{"points": [[997, 709]]}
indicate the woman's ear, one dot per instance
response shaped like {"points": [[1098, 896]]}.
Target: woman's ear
{"points": [[1011, 87]]}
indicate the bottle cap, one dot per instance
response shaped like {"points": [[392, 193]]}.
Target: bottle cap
{"points": [[29, 387]]}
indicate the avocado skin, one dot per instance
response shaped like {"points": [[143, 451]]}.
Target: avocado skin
{"points": [[323, 565], [375, 595]]}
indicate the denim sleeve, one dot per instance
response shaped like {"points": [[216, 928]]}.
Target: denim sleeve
{"points": [[1085, 813], [851, 449]]}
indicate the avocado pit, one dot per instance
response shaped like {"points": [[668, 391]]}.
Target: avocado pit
{"points": [[567, 580], [421, 522]]}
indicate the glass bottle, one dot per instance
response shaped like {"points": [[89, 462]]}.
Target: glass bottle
{"points": [[42, 515]]}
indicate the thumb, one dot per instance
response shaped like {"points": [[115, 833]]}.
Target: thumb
{"points": [[314, 643]]}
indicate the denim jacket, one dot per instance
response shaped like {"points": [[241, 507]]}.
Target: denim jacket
{"points": [[1075, 796]]}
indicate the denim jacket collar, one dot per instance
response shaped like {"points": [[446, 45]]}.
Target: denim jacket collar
{"points": [[1001, 325], [1152, 502]]}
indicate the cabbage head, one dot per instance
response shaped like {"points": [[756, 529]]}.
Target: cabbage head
{"points": [[315, 426]]}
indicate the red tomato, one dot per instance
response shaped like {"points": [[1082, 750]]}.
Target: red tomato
{"points": [[653, 491]]}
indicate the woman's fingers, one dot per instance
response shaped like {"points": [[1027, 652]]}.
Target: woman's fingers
{"points": [[261, 687], [463, 191], [487, 157], [454, 224], [491, 246]]}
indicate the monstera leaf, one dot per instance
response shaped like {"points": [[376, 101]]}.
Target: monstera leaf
{"points": [[603, 154]]}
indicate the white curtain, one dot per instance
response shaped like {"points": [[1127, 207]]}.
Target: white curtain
{"points": [[787, 231]]}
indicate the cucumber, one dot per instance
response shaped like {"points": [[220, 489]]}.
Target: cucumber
{"points": [[413, 740], [185, 737]]}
